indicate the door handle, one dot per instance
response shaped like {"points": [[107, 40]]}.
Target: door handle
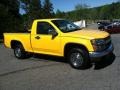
{"points": [[37, 37]]}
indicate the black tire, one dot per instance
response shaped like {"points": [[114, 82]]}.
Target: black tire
{"points": [[78, 58], [19, 52]]}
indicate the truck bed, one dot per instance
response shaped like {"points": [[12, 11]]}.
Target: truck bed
{"points": [[23, 38]]}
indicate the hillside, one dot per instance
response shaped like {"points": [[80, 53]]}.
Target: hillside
{"points": [[110, 11]]}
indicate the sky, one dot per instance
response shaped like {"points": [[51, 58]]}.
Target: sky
{"points": [[68, 5]]}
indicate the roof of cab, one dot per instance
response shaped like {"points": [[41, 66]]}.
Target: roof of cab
{"points": [[49, 19]]}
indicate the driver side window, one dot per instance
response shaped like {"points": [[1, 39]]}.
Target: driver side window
{"points": [[44, 28]]}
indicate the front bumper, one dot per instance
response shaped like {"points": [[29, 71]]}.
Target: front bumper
{"points": [[101, 54]]}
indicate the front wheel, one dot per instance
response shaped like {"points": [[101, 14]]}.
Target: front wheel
{"points": [[78, 58]]}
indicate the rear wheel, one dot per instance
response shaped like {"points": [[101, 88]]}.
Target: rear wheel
{"points": [[78, 58], [19, 52]]}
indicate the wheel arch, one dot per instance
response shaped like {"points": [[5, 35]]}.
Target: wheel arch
{"points": [[14, 43], [69, 46]]}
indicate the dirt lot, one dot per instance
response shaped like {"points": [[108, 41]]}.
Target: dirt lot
{"points": [[51, 73]]}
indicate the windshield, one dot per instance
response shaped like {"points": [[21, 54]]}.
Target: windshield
{"points": [[65, 26]]}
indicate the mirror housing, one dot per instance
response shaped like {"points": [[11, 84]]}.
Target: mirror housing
{"points": [[54, 34]]}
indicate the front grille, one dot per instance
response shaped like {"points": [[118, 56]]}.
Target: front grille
{"points": [[108, 44]]}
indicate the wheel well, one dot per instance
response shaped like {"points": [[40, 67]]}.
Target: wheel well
{"points": [[14, 43], [69, 46]]}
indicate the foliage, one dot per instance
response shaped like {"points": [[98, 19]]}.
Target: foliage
{"points": [[48, 9], [109, 12], [35, 10], [9, 16], [81, 6]]}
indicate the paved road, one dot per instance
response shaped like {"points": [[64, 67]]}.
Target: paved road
{"points": [[50, 73]]}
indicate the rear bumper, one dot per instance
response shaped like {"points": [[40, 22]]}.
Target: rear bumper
{"points": [[101, 54]]}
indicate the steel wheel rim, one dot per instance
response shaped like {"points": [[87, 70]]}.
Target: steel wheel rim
{"points": [[76, 59]]}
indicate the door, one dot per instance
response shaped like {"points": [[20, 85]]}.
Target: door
{"points": [[44, 42]]}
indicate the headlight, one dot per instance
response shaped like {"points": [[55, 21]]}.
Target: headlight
{"points": [[98, 41], [98, 44]]}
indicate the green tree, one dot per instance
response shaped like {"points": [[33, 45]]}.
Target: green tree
{"points": [[60, 14], [48, 9], [33, 9], [117, 11], [81, 6], [9, 16]]}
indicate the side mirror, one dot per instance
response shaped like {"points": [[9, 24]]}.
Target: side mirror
{"points": [[53, 33]]}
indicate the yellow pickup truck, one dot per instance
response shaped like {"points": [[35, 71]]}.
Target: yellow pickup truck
{"points": [[60, 37]]}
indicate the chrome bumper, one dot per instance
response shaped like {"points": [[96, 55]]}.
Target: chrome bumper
{"points": [[103, 53]]}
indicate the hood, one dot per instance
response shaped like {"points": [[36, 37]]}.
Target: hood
{"points": [[87, 34]]}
